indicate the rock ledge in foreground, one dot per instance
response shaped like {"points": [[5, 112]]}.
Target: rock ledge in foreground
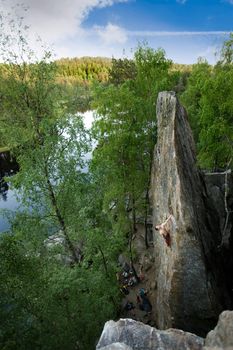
{"points": [[128, 334]]}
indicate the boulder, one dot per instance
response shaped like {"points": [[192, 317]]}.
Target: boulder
{"points": [[222, 335], [117, 346], [57, 242], [188, 269], [129, 334]]}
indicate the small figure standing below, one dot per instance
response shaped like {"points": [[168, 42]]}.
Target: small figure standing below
{"points": [[164, 232], [143, 301]]}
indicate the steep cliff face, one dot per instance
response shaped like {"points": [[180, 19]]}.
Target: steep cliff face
{"points": [[219, 202], [187, 271]]}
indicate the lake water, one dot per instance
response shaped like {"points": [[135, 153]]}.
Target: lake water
{"points": [[9, 167]]}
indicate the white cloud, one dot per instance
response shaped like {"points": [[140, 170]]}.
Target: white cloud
{"points": [[55, 20], [61, 22], [230, 1], [111, 34]]}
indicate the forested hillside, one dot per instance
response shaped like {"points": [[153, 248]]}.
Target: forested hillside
{"points": [[83, 70], [87, 70]]}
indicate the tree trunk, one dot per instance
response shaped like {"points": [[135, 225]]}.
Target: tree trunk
{"points": [[104, 261], [59, 216], [147, 206]]}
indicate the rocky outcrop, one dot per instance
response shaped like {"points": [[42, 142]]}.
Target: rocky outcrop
{"points": [[193, 244], [188, 268], [127, 334], [117, 346], [222, 336]]}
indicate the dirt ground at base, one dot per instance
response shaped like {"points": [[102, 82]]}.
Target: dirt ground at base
{"points": [[144, 266]]}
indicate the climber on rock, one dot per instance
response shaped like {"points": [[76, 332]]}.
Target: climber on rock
{"points": [[164, 232]]}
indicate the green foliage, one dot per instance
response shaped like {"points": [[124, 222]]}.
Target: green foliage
{"points": [[122, 70], [48, 304], [216, 136], [193, 94], [208, 99], [45, 305], [226, 54], [59, 296], [77, 98], [51, 182], [28, 96], [181, 73], [125, 130]]}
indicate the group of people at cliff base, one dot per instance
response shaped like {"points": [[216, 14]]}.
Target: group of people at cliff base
{"points": [[142, 301], [127, 279]]}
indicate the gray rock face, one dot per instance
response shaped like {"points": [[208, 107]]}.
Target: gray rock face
{"points": [[186, 272], [117, 346], [130, 334], [219, 187], [219, 191], [222, 335]]}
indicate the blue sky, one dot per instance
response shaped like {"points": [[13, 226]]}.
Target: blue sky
{"points": [[186, 29]]}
